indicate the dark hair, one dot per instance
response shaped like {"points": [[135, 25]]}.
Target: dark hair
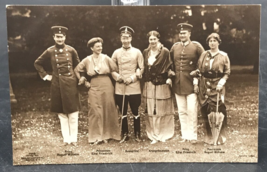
{"points": [[215, 36], [93, 41], [154, 33]]}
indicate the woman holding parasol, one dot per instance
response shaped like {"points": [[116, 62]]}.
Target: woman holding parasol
{"points": [[214, 70]]}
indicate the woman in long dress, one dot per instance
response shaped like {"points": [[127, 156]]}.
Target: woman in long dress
{"points": [[157, 92], [102, 111], [214, 70]]}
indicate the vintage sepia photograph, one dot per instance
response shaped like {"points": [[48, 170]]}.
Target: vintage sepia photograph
{"points": [[133, 84]]}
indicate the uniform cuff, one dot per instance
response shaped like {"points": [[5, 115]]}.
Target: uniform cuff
{"points": [[195, 81], [84, 78], [222, 82], [45, 78], [117, 78], [132, 78]]}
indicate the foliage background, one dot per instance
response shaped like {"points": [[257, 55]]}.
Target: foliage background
{"points": [[29, 31], [6, 154]]}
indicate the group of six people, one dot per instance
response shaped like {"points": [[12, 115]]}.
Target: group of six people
{"points": [[193, 75]]}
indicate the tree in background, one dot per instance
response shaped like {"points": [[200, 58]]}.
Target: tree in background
{"points": [[29, 28]]}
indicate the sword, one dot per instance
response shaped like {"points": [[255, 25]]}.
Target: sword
{"points": [[122, 108]]}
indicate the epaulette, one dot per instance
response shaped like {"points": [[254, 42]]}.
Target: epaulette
{"points": [[195, 42], [70, 46], [176, 43], [50, 47], [223, 53]]}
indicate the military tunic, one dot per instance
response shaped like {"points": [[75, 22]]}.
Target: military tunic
{"points": [[128, 60], [185, 58], [64, 92]]}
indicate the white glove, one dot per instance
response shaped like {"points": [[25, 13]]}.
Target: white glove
{"points": [[169, 82]]}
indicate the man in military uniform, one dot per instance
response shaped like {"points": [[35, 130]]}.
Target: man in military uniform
{"points": [[64, 94], [127, 89], [185, 55]]}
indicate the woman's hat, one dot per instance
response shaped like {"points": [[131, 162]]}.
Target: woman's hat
{"points": [[94, 40]]}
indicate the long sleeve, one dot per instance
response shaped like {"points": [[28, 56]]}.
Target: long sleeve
{"points": [[172, 59], [80, 69], [115, 75], [75, 58], [140, 66], [226, 72], [39, 62], [112, 65], [140, 61], [200, 49]]}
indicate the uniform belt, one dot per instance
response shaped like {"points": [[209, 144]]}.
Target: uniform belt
{"points": [[95, 76], [212, 79], [213, 75], [183, 71], [100, 75]]}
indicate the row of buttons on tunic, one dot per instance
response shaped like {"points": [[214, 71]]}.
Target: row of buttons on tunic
{"points": [[61, 50]]}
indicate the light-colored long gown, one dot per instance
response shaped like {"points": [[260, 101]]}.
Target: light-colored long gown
{"points": [[102, 112]]}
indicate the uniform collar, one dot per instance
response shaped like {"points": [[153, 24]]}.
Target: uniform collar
{"points": [[185, 43], [60, 46], [127, 48]]}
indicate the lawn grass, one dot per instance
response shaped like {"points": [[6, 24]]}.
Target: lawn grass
{"points": [[36, 132]]}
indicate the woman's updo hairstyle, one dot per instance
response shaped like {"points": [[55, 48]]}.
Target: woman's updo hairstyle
{"points": [[154, 33], [215, 36]]}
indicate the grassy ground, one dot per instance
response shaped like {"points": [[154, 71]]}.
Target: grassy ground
{"points": [[37, 136]]}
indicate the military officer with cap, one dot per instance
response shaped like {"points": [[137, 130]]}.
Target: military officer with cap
{"points": [[64, 94], [127, 89], [185, 55]]}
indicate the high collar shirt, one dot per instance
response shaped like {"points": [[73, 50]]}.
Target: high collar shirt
{"points": [[128, 61]]}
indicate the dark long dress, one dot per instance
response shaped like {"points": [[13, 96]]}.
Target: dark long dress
{"points": [[214, 70], [102, 111]]}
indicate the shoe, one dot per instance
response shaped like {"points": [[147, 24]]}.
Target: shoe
{"points": [[153, 142], [65, 144], [193, 142], [74, 144], [137, 138], [182, 140], [97, 142], [223, 141], [124, 139]]}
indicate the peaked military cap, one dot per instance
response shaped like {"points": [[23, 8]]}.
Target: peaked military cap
{"points": [[94, 40], [59, 29], [126, 30], [184, 26]]}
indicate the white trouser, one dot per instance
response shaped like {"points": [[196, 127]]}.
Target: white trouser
{"points": [[69, 126], [187, 109]]}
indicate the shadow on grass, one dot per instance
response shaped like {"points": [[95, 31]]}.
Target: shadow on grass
{"points": [[36, 132]]}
